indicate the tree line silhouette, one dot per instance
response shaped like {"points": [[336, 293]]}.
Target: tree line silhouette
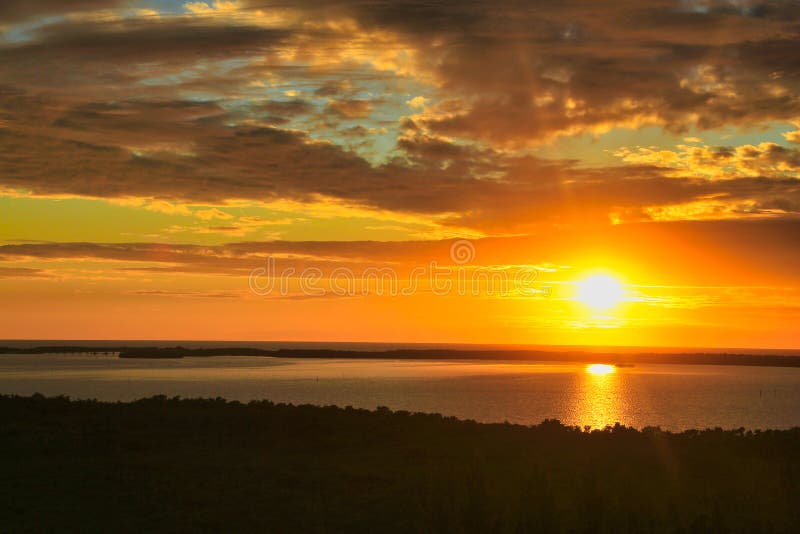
{"points": [[527, 355], [208, 464]]}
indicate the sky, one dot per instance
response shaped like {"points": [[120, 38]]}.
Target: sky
{"points": [[401, 171]]}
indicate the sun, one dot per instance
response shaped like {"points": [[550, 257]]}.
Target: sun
{"points": [[600, 369], [600, 292]]}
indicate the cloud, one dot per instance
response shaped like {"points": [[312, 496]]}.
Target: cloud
{"points": [[350, 109], [95, 156], [23, 272], [720, 162], [524, 73], [521, 73], [793, 136], [143, 40], [289, 108], [212, 213], [19, 10], [187, 108], [167, 208], [191, 294], [730, 252], [418, 102], [205, 8]]}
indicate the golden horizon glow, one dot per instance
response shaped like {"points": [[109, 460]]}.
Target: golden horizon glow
{"points": [[354, 143]]}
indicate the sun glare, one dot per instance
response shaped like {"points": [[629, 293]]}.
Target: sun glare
{"points": [[600, 292], [600, 369]]}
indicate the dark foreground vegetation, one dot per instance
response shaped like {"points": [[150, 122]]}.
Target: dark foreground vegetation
{"points": [[197, 465], [526, 355]]}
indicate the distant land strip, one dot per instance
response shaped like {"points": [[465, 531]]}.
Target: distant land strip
{"points": [[154, 352]]}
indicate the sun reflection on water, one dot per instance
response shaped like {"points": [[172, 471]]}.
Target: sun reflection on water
{"points": [[600, 398]]}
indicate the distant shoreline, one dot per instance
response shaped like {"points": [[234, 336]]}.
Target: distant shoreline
{"points": [[521, 355]]}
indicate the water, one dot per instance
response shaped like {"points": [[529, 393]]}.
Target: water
{"points": [[672, 396]]}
